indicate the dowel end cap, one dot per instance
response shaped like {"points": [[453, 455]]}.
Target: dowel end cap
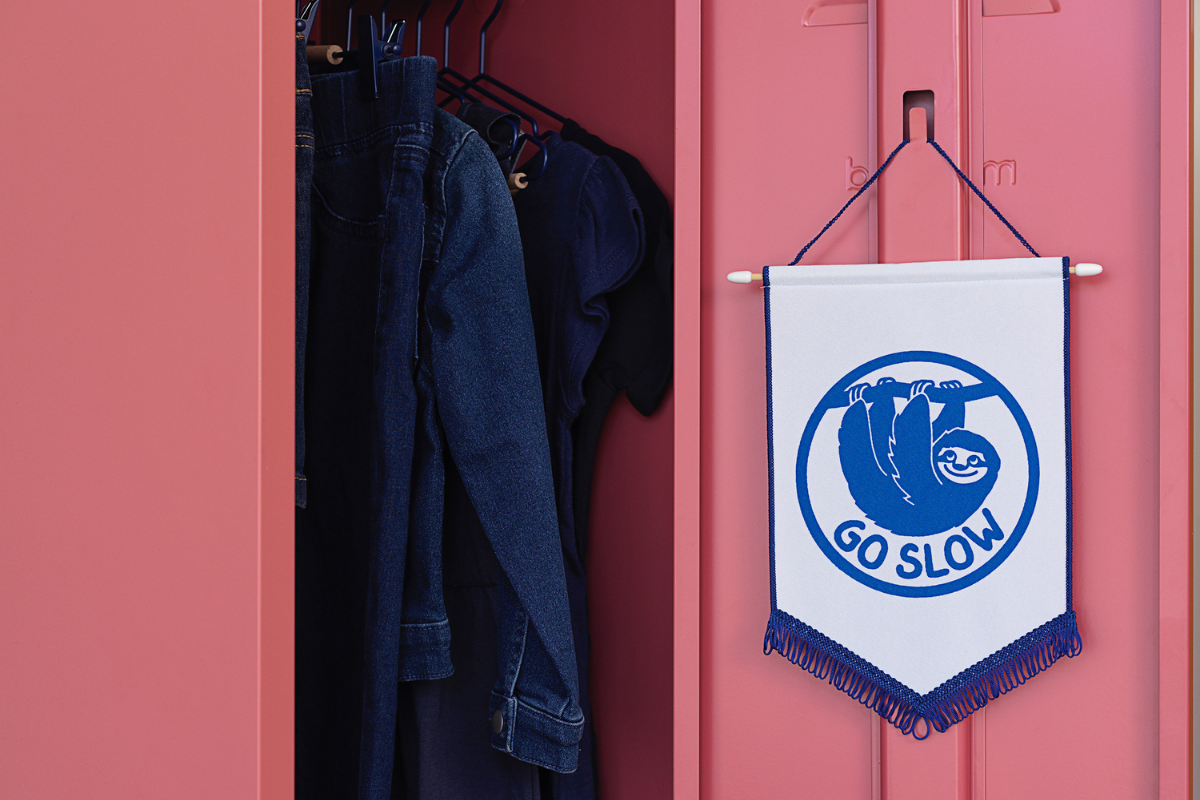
{"points": [[741, 276], [1087, 270]]}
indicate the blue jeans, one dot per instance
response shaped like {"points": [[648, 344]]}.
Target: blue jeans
{"points": [[410, 211], [360, 405], [304, 168]]}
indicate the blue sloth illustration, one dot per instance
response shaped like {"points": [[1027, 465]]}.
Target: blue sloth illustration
{"points": [[909, 474]]}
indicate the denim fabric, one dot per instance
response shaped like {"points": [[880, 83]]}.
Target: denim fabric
{"points": [[445, 740], [361, 404], [478, 372], [304, 168], [583, 237], [425, 629]]}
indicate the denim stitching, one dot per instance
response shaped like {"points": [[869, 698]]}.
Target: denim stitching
{"points": [[516, 673], [549, 715], [368, 141]]}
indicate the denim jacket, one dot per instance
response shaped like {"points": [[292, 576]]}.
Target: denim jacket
{"points": [[479, 403]]}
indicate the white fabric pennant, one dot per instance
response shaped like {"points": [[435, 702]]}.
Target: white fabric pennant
{"points": [[919, 442]]}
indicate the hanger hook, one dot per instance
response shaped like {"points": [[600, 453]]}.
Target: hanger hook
{"points": [[420, 16], [349, 23], [446, 33], [383, 15], [483, 34]]}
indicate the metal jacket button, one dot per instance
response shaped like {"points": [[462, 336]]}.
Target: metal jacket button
{"points": [[497, 721]]}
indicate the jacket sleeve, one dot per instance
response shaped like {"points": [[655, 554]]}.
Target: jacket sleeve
{"points": [[484, 364]]}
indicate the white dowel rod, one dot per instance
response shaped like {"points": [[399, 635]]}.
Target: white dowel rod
{"points": [[746, 276]]}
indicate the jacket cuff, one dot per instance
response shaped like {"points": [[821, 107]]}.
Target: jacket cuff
{"points": [[425, 651], [534, 735]]}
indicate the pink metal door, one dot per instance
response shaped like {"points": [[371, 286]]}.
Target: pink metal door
{"points": [[1074, 118], [146, 344]]}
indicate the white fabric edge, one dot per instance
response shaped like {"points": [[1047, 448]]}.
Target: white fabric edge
{"points": [[916, 272]]}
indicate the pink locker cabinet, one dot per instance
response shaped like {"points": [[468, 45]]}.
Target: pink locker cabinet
{"points": [[146, 345], [1075, 118]]}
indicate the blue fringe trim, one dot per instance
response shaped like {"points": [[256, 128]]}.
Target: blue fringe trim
{"points": [[950, 703]]}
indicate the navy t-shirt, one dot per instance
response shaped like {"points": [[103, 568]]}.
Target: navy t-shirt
{"points": [[637, 354], [583, 237]]}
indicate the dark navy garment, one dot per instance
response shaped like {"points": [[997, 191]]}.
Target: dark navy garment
{"points": [[360, 406], [583, 237], [637, 352], [498, 128], [484, 482], [304, 168]]}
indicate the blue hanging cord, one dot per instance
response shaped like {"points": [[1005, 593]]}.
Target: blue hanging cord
{"points": [[986, 202], [865, 186], [879, 171]]}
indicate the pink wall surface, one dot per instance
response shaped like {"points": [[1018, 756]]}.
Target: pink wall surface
{"points": [[146, 255], [1027, 89]]}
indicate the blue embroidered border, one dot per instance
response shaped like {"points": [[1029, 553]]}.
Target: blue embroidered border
{"points": [[1066, 264], [946, 705], [766, 273]]}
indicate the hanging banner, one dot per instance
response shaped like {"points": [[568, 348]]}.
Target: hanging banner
{"points": [[919, 449]]}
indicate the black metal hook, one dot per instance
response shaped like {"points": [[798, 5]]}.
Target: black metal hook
{"points": [[349, 23], [473, 83], [446, 34], [421, 16], [543, 162], [483, 33]]}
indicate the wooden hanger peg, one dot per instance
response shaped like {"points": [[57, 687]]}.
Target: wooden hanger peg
{"points": [[516, 182], [324, 54]]}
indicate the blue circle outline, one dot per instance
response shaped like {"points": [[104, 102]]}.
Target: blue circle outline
{"points": [[831, 400]]}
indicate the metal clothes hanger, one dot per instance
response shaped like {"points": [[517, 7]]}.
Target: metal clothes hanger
{"points": [[463, 91], [483, 76], [349, 22], [536, 138], [443, 81], [420, 18], [383, 26], [316, 53], [457, 91], [372, 50]]}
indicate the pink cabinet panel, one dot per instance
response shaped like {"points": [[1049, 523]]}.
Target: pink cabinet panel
{"points": [[145, 340], [1061, 115]]}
